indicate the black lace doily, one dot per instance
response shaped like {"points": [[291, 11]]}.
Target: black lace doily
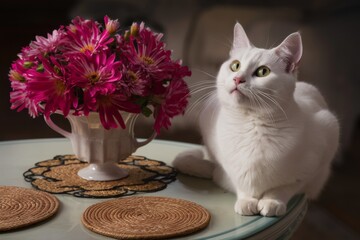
{"points": [[59, 175]]}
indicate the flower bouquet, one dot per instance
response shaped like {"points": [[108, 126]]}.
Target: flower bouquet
{"points": [[99, 80], [90, 67]]}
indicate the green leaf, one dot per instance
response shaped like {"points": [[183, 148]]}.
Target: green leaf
{"points": [[143, 102], [146, 111], [28, 64], [40, 68]]}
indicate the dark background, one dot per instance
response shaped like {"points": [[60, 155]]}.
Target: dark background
{"points": [[194, 29]]}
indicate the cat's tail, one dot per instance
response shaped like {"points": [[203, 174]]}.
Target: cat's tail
{"points": [[192, 162]]}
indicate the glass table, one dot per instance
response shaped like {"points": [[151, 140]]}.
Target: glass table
{"points": [[18, 156]]}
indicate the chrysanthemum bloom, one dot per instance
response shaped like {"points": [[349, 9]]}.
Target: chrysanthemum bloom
{"points": [[84, 36], [146, 50], [44, 46], [173, 103], [134, 81], [18, 69], [19, 99], [50, 86], [93, 74], [108, 102]]}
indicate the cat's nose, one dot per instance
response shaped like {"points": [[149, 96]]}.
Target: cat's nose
{"points": [[239, 80]]}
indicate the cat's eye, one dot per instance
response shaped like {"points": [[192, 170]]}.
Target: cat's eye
{"points": [[235, 66], [262, 71]]}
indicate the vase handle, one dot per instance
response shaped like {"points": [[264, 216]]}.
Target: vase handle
{"points": [[56, 128], [143, 143], [131, 124]]}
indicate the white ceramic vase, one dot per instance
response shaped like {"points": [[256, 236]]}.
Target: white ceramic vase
{"points": [[100, 147]]}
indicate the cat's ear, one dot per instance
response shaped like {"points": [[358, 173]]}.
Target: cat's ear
{"points": [[291, 51], [240, 38]]}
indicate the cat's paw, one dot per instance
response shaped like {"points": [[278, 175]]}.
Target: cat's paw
{"points": [[271, 207], [246, 206]]}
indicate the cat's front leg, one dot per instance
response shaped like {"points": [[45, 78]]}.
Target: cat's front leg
{"points": [[246, 204], [274, 201]]}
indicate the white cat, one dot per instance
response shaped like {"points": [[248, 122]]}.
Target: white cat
{"points": [[268, 136]]}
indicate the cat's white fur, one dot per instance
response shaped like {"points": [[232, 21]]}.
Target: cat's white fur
{"points": [[268, 138]]}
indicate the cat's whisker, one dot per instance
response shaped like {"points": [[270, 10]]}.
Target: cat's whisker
{"points": [[253, 101], [270, 94], [269, 91], [266, 88], [197, 90], [201, 85], [277, 104], [206, 73], [256, 100], [274, 97], [264, 105], [268, 108], [207, 102], [204, 81], [274, 102], [271, 97], [199, 100], [210, 102]]}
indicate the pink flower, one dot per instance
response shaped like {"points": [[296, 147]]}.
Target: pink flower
{"points": [[19, 99], [108, 104], [50, 86], [18, 70], [84, 36], [134, 82], [94, 72], [174, 103], [147, 51], [96, 69], [20, 96], [43, 46]]}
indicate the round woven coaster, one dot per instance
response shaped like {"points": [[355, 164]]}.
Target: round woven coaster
{"points": [[20, 207], [59, 175], [145, 218]]}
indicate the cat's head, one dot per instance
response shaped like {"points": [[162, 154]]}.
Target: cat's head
{"points": [[254, 77]]}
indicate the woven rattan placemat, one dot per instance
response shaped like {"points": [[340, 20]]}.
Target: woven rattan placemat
{"points": [[20, 207], [145, 218], [59, 175]]}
